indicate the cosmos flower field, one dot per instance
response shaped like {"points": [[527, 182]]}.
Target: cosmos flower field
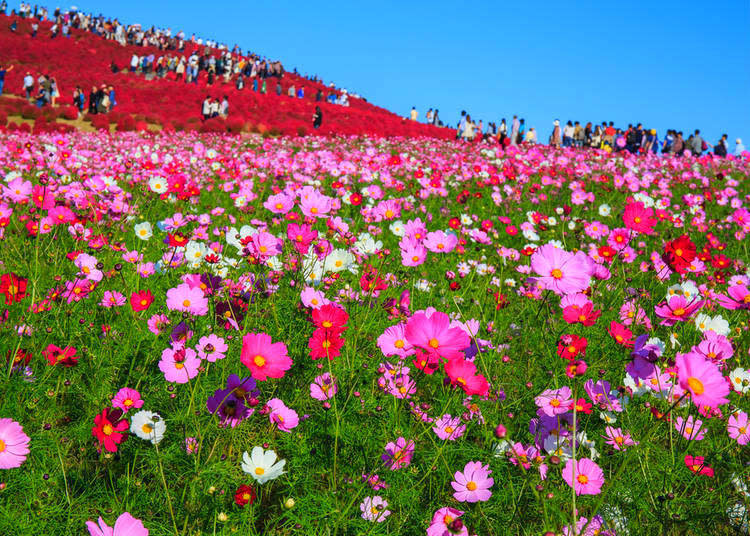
{"points": [[208, 334]]}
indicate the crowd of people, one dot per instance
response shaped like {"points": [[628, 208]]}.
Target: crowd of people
{"points": [[634, 139]]}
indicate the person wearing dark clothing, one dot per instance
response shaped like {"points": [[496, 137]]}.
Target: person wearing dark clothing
{"points": [[721, 148], [319, 95], [93, 100], [317, 117]]}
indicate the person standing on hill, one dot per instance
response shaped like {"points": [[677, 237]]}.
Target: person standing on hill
{"points": [[317, 117], [721, 148], [435, 119], [206, 108], [555, 139], [428, 116], [514, 130], [3, 71], [738, 148], [413, 114], [696, 145]]}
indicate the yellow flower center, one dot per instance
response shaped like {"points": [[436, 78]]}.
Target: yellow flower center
{"points": [[471, 485], [314, 210], [399, 343], [696, 385], [679, 311], [127, 403], [554, 402], [186, 303], [147, 428], [259, 360], [448, 430], [583, 479], [107, 429], [179, 366], [434, 343], [637, 219], [556, 273], [259, 471], [2, 445]]}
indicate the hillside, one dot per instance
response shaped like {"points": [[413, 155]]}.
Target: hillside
{"points": [[84, 60]]}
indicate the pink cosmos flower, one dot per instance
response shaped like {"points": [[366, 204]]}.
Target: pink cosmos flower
{"points": [[691, 429], [639, 218], [87, 266], [315, 205], [157, 322], [473, 484], [127, 399], [738, 428], [393, 341], [186, 299], [560, 271], [702, 379], [584, 476], [211, 348], [264, 358], [279, 203], [112, 298], [126, 525], [399, 454], [313, 298], [555, 401], [434, 335], [444, 523], [401, 386], [284, 417], [738, 297], [263, 245], [413, 254], [677, 309], [301, 236], [179, 366], [618, 439], [374, 509], [448, 427], [14, 444], [440, 242], [323, 387]]}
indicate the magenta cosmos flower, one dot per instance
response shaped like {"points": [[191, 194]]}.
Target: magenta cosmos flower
{"points": [[702, 379], [555, 401], [264, 358], [448, 427], [584, 476], [14, 444], [282, 416], [434, 335], [444, 522], [127, 399], [738, 429], [560, 271], [179, 366], [398, 454], [323, 387], [188, 300], [126, 525], [473, 484]]}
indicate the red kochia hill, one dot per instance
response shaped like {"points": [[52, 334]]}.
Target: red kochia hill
{"points": [[84, 60]]}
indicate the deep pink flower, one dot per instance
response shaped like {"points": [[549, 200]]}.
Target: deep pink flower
{"points": [[211, 348], [323, 387], [584, 476], [127, 399], [186, 299], [444, 523], [264, 358], [738, 428], [639, 218], [434, 335], [179, 365]]}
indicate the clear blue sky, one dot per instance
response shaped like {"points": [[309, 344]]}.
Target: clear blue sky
{"points": [[668, 64]]}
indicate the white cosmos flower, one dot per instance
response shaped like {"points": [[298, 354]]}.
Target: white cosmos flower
{"points": [[367, 245], [397, 228], [144, 231], [194, 252], [148, 426], [157, 185], [717, 324], [339, 260], [740, 379], [605, 210], [262, 465]]}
